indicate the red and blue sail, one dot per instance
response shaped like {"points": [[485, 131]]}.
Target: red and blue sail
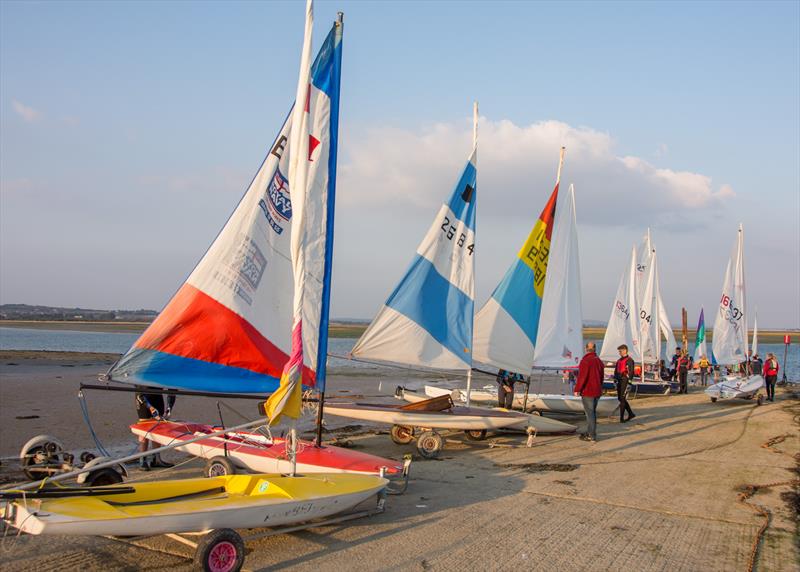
{"points": [[229, 327]]}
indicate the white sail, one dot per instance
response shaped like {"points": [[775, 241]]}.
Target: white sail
{"points": [[649, 323], [666, 327], [622, 325], [754, 345], [560, 338], [644, 255], [730, 326]]}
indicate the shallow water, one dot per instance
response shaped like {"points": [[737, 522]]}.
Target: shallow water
{"points": [[106, 342]]}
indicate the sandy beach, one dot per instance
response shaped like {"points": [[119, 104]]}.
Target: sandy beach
{"points": [[659, 493]]}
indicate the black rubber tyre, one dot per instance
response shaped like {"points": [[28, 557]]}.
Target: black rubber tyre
{"points": [[429, 444], [220, 551], [713, 400], [402, 434], [219, 467], [102, 478], [476, 435]]}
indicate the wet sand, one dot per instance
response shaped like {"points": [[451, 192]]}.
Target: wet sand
{"points": [[659, 493]]}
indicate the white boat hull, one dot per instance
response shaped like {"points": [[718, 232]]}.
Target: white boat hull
{"points": [[540, 401], [460, 418], [733, 387], [539, 423]]}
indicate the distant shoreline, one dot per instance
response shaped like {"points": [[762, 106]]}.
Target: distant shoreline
{"points": [[336, 329]]}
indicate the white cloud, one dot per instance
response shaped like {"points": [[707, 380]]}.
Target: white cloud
{"points": [[27, 113], [414, 169]]}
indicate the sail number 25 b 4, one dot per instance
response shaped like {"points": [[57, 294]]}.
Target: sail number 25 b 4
{"points": [[450, 233]]}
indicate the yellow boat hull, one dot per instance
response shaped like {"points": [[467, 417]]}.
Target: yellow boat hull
{"points": [[195, 505]]}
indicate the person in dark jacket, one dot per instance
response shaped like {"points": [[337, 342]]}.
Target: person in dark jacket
{"points": [[673, 364], [623, 373], [505, 389], [589, 387], [684, 365], [770, 372], [756, 365], [152, 406]]}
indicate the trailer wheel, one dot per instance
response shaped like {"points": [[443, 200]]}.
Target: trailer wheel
{"points": [[102, 478], [713, 400], [219, 466], [43, 456], [476, 435], [402, 434], [220, 551], [429, 444], [760, 399]]}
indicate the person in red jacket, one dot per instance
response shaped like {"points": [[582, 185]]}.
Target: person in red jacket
{"points": [[771, 375], [589, 387]]}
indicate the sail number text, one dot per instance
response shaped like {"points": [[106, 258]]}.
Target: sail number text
{"points": [[729, 311], [450, 232]]}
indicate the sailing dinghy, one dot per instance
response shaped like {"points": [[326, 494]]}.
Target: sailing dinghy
{"points": [[233, 501], [534, 318], [639, 320], [190, 505], [259, 453], [227, 329], [427, 322], [729, 343], [555, 403], [538, 423]]}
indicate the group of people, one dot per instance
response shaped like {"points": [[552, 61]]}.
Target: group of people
{"points": [[591, 370], [679, 367], [589, 386]]}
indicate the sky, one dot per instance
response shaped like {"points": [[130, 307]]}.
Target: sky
{"points": [[129, 131]]}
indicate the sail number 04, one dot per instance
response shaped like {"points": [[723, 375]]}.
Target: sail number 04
{"points": [[450, 232]]}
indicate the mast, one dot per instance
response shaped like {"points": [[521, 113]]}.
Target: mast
{"points": [[740, 264], [472, 317], [322, 351]]}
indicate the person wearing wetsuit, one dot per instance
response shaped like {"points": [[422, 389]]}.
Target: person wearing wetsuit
{"points": [[505, 390], [684, 365], [152, 406], [623, 373]]}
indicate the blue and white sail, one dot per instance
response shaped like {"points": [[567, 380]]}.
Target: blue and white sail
{"points": [[427, 320]]}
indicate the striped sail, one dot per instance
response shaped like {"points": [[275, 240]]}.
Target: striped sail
{"points": [[228, 328], [507, 326], [559, 342], [700, 349], [729, 343], [427, 320]]}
